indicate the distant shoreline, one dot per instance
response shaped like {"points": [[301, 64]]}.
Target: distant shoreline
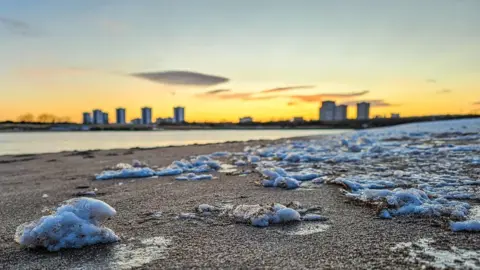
{"points": [[283, 125], [174, 129]]}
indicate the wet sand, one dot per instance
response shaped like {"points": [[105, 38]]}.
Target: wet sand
{"points": [[353, 239]]}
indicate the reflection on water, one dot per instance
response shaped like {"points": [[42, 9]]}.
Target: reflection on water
{"points": [[47, 142]]}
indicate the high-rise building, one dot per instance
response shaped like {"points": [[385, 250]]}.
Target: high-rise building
{"points": [[121, 119], [340, 113], [166, 120], [297, 119], [87, 118], [246, 119], [146, 115], [363, 111], [395, 116], [327, 111], [97, 117], [136, 121], [105, 118], [179, 114]]}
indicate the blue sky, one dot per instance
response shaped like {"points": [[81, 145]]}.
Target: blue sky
{"points": [[356, 42]]}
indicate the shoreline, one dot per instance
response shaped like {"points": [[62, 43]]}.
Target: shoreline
{"points": [[180, 129], [280, 125]]}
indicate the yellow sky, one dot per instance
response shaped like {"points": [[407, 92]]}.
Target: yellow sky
{"points": [[71, 92]]}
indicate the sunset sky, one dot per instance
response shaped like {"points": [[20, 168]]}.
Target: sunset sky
{"points": [[223, 59]]}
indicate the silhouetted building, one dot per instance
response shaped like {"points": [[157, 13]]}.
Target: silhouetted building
{"points": [[246, 119], [136, 121], [97, 117], [121, 116], [167, 120], [327, 111], [105, 118], [146, 115], [363, 111], [340, 113], [297, 119], [87, 118], [395, 116], [179, 115]]}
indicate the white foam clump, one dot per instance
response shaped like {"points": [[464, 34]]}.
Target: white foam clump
{"points": [[413, 202], [313, 217], [194, 177], [278, 177], [126, 173], [74, 224], [261, 216], [198, 164], [169, 172], [469, 226], [205, 208]]}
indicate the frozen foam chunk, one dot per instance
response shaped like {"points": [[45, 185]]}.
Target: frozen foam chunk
{"points": [[75, 224]]}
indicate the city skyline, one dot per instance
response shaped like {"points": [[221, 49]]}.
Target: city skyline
{"points": [[225, 59], [98, 116]]}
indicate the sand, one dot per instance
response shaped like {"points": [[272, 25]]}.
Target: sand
{"points": [[353, 239]]}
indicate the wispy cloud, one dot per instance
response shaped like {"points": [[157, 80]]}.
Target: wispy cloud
{"points": [[288, 88], [476, 103], [225, 95], [212, 93], [444, 91], [218, 91], [373, 103], [321, 97], [431, 81], [181, 78], [17, 27], [295, 99]]}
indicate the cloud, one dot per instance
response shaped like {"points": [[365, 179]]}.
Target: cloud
{"points": [[250, 96], [373, 103], [218, 91], [181, 78], [212, 93], [444, 91], [17, 27], [289, 88], [292, 103], [253, 96], [321, 97], [431, 81], [476, 103]]}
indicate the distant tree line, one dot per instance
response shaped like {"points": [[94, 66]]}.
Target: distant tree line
{"points": [[42, 118]]}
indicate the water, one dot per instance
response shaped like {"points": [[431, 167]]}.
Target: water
{"points": [[48, 142]]}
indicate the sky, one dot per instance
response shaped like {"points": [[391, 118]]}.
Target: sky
{"points": [[269, 59]]}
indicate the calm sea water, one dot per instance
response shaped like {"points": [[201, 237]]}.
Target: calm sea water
{"points": [[46, 142]]}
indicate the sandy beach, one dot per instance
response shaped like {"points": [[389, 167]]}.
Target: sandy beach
{"points": [[352, 238]]}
